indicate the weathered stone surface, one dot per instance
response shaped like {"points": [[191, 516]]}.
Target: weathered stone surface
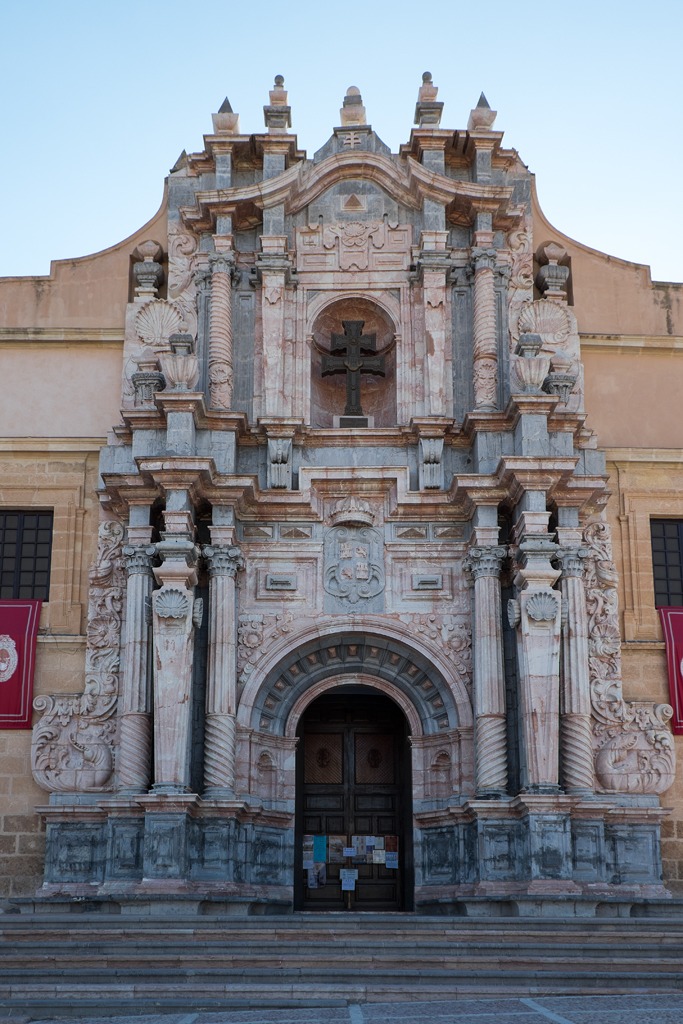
{"points": [[365, 393]]}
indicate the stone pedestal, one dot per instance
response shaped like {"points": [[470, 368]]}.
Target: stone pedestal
{"points": [[166, 840]]}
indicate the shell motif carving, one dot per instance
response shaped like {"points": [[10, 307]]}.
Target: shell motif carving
{"points": [[156, 322], [514, 612], [542, 607], [546, 318], [172, 603]]}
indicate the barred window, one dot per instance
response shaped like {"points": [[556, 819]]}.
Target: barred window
{"points": [[25, 550], [667, 561]]}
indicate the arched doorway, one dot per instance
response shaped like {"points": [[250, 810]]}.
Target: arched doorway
{"points": [[353, 831]]}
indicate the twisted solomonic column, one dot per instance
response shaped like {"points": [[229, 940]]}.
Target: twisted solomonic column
{"points": [[485, 349], [490, 739], [576, 733], [221, 690], [220, 331], [135, 722]]}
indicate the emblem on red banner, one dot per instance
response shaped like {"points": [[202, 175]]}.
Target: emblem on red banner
{"points": [[18, 630], [9, 659], [672, 624]]}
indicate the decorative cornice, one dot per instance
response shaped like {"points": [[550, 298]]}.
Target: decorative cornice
{"points": [[61, 445], [633, 343], [408, 182], [66, 336]]}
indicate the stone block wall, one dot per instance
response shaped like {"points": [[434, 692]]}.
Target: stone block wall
{"points": [[65, 481], [645, 485], [22, 833]]}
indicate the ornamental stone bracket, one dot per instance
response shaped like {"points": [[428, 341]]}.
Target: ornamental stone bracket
{"points": [[632, 742], [73, 742]]}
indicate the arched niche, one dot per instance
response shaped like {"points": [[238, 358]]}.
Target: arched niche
{"points": [[378, 392]]}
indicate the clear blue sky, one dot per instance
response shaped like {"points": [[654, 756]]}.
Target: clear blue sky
{"points": [[99, 99]]}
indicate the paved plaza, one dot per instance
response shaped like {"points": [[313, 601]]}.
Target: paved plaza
{"points": [[617, 1009]]}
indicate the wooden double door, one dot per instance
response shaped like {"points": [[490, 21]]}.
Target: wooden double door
{"points": [[353, 805]]}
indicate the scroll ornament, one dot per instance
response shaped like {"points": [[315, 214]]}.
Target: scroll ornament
{"points": [[73, 743], [453, 636], [255, 636], [633, 745]]}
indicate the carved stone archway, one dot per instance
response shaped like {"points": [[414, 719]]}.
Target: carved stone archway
{"points": [[412, 677]]}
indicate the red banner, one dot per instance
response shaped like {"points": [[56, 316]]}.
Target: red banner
{"points": [[672, 624], [18, 630]]}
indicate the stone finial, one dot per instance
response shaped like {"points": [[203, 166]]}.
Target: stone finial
{"points": [[353, 111], [482, 117], [180, 366], [225, 122], [553, 276], [278, 94], [148, 272], [148, 379], [277, 115], [427, 110]]}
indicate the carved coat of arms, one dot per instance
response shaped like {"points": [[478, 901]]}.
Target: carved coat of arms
{"points": [[353, 563]]}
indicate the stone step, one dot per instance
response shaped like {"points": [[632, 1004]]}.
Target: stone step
{"points": [[322, 925], [45, 953], [123, 964], [197, 992]]}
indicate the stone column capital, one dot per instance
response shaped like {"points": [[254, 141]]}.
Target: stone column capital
{"points": [[222, 263], [483, 259], [572, 561], [223, 560], [485, 560], [138, 558]]}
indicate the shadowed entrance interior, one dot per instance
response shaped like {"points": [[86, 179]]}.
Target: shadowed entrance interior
{"points": [[353, 785]]}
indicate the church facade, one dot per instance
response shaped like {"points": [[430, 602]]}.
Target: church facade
{"points": [[346, 608]]}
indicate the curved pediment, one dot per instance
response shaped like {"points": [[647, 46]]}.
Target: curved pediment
{"points": [[404, 180]]}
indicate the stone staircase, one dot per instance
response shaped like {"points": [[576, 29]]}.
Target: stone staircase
{"points": [[99, 964]]}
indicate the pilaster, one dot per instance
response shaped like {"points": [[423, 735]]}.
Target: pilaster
{"points": [[176, 612], [274, 268], [537, 615]]}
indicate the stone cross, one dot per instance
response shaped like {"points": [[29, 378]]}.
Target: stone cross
{"points": [[356, 359]]}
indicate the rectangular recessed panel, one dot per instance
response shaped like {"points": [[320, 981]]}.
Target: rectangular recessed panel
{"points": [[323, 759], [374, 802], [374, 759], [324, 802]]}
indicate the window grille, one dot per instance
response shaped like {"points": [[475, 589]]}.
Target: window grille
{"points": [[25, 550]]}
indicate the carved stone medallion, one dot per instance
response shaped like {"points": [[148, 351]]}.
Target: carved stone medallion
{"points": [[354, 569]]}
